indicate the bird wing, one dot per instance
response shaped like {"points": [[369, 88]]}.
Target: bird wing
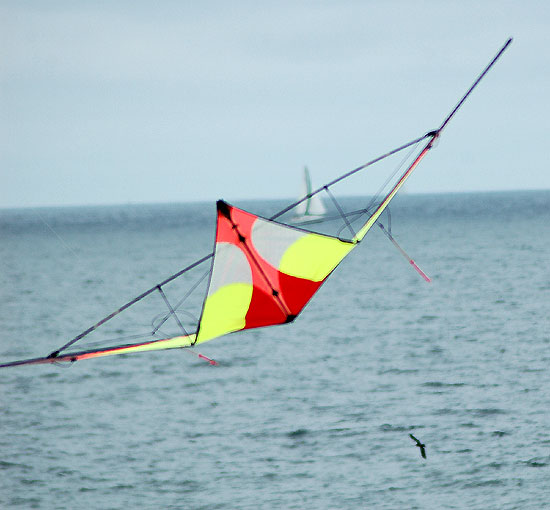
{"points": [[414, 438], [422, 452]]}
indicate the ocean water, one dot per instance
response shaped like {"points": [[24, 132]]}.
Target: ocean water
{"points": [[311, 415]]}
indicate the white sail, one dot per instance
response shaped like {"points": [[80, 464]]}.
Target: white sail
{"points": [[313, 207]]}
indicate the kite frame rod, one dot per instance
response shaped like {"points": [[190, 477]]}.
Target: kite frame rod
{"points": [[474, 85], [433, 134]]}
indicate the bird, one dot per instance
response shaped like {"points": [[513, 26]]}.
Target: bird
{"points": [[420, 445]]}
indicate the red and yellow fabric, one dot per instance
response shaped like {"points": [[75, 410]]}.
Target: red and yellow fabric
{"points": [[263, 272]]}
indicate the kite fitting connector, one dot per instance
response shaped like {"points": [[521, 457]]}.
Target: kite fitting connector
{"points": [[435, 135]]}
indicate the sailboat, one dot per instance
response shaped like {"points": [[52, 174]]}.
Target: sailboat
{"points": [[262, 271], [311, 210]]}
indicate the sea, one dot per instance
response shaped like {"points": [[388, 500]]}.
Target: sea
{"points": [[310, 415]]}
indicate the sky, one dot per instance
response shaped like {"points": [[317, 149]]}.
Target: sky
{"points": [[115, 102]]}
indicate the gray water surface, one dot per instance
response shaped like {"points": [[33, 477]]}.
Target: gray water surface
{"points": [[314, 414]]}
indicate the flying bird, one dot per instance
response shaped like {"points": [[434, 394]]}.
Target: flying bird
{"points": [[420, 445]]}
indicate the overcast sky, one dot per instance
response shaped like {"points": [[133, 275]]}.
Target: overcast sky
{"points": [[112, 102]]}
